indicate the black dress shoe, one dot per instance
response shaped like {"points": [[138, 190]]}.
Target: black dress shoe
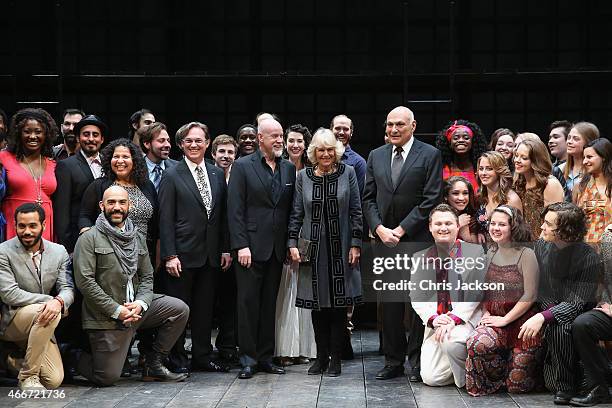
{"points": [[563, 397], [389, 372], [271, 368], [597, 395], [415, 377], [335, 368], [319, 366], [246, 372], [210, 366]]}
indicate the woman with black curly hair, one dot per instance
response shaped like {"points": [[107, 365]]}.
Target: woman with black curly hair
{"points": [[123, 165], [461, 144], [30, 169]]}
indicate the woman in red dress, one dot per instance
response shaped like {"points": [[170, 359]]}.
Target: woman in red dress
{"points": [[30, 171]]}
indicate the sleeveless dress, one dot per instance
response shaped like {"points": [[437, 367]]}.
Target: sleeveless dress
{"points": [[598, 210], [496, 357], [21, 189], [447, 172], [533, 203]]}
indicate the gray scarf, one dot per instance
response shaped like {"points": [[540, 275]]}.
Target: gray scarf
{"points": [[124, 243]]}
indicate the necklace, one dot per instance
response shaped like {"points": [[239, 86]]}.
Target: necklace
{"points": [[37, 180], [325, 173]]}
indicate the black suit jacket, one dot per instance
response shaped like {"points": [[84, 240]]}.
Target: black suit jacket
{"points": [[418, 190], [90, 208], [255, 220], [185, 229], [73, 175]]}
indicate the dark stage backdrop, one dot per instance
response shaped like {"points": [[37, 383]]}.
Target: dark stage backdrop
{"points": [[517, 64]]}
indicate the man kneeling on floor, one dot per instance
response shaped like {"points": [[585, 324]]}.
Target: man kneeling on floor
{"points": [[113, 272], [450, 313], [30, 312]]}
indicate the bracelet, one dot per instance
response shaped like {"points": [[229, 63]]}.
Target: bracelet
{"points": [[59, 299]]}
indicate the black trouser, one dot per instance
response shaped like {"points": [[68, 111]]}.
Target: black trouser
{"points": [[329, 326], [395, 345], [196, 287], [226, 341], [587, 330], [257, 291], [560, 361]]}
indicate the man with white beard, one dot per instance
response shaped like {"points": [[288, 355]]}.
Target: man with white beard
{"points": [[259, 201]]}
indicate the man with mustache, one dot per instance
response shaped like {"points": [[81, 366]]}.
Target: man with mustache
{"points": [[259, 200], [155, 144], [30, 313], [113, 272], [70, 145], [193, 242]]}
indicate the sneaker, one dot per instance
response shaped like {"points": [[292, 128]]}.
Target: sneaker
{"points": [[31, 383]]}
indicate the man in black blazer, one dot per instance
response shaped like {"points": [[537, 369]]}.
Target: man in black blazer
{"points": [[193, 240], [260, 199], [73, 176], [155, 144], [403, 184]]}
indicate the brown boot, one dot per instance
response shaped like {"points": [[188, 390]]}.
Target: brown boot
{"points": [[154, 370]]}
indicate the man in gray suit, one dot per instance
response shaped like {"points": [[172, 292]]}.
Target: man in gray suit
{"points": [[113, 272], [35, 295]]}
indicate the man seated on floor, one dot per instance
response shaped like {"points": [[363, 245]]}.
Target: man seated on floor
{"points": [[113, 272], [449, 312], [34, 296], [569, 269]]}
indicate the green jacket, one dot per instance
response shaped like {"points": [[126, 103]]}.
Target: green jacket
{"points": [[103, 283]]}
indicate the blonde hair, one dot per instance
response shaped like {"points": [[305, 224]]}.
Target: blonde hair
{"points": [[324, 138], [504, 176]]}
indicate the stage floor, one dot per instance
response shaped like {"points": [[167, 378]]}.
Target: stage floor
{"points": [[356, 387]]}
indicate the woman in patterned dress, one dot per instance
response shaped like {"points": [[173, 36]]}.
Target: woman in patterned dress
{"points": [[327, 212], [461, 144], [496, 357], [533, 182], [593, 194]]}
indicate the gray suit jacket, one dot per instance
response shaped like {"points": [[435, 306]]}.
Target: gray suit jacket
{"points": [[19, 282]]}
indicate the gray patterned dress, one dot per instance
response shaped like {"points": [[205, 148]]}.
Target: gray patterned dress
{"points": [[327, 211], [141, 209]]}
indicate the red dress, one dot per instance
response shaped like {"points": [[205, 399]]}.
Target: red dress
{"points": [[21, 188]]}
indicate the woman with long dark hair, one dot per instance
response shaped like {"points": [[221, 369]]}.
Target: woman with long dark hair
{"points": [[30, 169], [594, 192], [580, 135], [459, 194]]}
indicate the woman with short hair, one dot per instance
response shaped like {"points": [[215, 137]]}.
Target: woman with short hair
{"points": [[326, 219]]}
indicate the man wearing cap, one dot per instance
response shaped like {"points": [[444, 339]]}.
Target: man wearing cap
{"points": [[73, 176]]}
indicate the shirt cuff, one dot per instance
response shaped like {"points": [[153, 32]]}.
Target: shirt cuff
{"points": [[455, 318], [116, 314], [548, 316], [142, 304]]}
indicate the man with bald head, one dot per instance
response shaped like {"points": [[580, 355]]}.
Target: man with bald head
{"points": [[403, 184], [260, 195], [113, 272]]}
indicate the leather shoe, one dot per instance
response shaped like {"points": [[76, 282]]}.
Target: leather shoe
{"points": [[319, 366], [154, 370], [563, 397], [335, 368], [271, 368], [246, 372], [389, 372], [415, 377], [597, 395], [210, 366], [175, 368]]}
